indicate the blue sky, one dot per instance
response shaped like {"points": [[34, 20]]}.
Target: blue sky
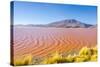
{"points": [[44, 13]]}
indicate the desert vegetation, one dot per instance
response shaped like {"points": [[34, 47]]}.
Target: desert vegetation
{"points": [[85, 54]]}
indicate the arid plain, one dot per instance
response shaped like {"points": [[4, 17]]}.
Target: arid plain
{"points": [[41, 42]]}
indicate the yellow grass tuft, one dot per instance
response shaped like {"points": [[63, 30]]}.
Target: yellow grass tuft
{"points": [[85, 51], [27, 60]]}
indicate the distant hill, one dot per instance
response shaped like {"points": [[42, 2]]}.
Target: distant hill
{"points": [[67, 23]]}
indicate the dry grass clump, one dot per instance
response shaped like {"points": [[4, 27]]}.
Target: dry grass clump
{"points": [[27, 60]]}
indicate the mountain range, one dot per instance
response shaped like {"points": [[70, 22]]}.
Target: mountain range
{"points": [[67, 23]]}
